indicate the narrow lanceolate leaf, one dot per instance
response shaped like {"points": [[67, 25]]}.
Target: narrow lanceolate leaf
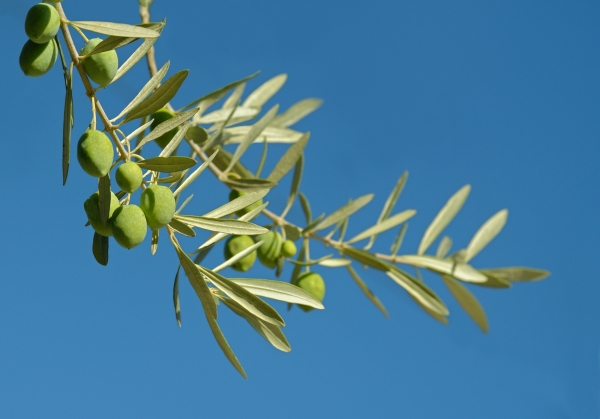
{"points": [[222, 226], [104, 198], [365, 289], [139, 130], [271, 134], [257, 128], [182, 228], [167, 164], [243, 297], [277, 290], [235, 97], [166, 126], [159, 98], [248, 185], [334, 263], [114, 42], [223, 344], [171, 147], [176, 302], [344, 212], [461, 271], [517, 273], [305, 207], [297, 111], [198, 283], [100, 249], [264, 92], [146, 90], [263, 158], [398, 240], [191, 178], [67, 127], [493, 282], [172, 178], [366, 258], [310, 262], [237, 204], [289, 159], [419, 292], [219, 93], [230, 114], [270, 332], [486, 233], [385, 225], [444, 247], [295, 186], [154, 243], [117, 29], [467, 301], [443, 218], [238, 256]]}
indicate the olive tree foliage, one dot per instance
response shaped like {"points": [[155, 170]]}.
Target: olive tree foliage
{"points": [[213, 132]]}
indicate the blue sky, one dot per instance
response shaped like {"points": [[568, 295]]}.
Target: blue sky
{"points": [[501, 95]]}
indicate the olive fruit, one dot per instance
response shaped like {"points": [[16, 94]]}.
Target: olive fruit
{"points": [[95, 153], [269, 251], [159, 117], [237, 244], [42, 23], [92, 210], [235, 194], [128, 226], [288, 248], [37, 59], [129, 177], [313, 284], [158, 204], [101, 67]]}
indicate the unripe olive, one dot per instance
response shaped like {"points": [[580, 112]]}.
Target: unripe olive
{"points": [[42, 23], [95, 153], [92, 210], [269, 251], [129, 177], [236, 194], [158, 204], [237, 244], [288, 248], [37, 59], [313, 284], [128, 226], [159, 117], [101, 67]]}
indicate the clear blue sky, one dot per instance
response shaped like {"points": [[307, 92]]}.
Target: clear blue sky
{"points": [[503, 95]]}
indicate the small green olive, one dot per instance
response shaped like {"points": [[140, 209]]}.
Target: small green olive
{"points": [[129, 177], [95, 153], [42, 23], [288, 248], [92, 210], [158, 204], [37, 59], [101, 67], [313, 284], [237, 244], [159, 117], [236, 194], [128, 226], [269, 251]]}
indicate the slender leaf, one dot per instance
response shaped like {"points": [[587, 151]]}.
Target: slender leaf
{"points": [[114, 42], [297, 111], [444, 247], [467, 301], [100, 249], [419, 292], [292, 233], [223, 344], [289, 159], [461, 271], [230, 114], [398, 240], [265, 91], [188, 181], [384, 225], [517, 273], [237, 204], [167, 126], [182, 228], [486, 233], [248, 185], [196, 278], [139, 130], [493, 282], [104, 198], [305, 207], [334, 263], [263, 159], [67, 127], [117, 29], [271, 134], [176, 302], [365, 289], [171, 147], [235, 96], [167, 164], [154, 243], [344, 212], [219, 93], [277, 290], [238, 256], [295, 186], [182, 206], [222, 226]]}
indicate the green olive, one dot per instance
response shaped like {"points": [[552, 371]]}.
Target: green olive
{"points": [[269, 251], [128, 226], [158, 204], [288, 248], [159, 117], [42, 23], [236, 194], [37, 59], [313, 284], [129, 177], [95, 153], [237, 244], [92, 210], [101, 67]]}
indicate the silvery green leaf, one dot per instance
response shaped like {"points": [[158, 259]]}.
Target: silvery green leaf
{"points": [[197, 134], [366, 258], [444, 247], [182, 206], [297, 111], [235, 97], [289, 159], [100, 249], [154, 243], [461, 271], [159, 98], [117, 29], [104, 198], [398, 240], [257, 128], [67, 127], [305, 207], [517, 273], [314, 223], [486, 233], [263, 158], [172, 178], [233, 135], [344, 212], [493, 281], [436, 316], [270, 332], [198, 283], [167, 164], [443, 218], [182, 228], [385, 225], [223, 344], [291, 232], [166, 126], [216, 139], [237, 204], [114, 42], [176, 302], [467, 301], [368, 293], [419, 292], [467, 273], [310, 262], [219, 93], [248, 184], [334, 263], [243, 297], [146, 90], [277, 290], [137, 132], [238, 256], [222, 226], [188, 181], [223, 159], [295, 186], [171, 147], [225, 114], [264, 92]]}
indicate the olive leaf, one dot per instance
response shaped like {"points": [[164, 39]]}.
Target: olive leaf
{"points": [[224, 345], [100, 249], [467, 301], [419, 291], [171, 147], [398, 240], [271, 134], [139, 130], [295, 186], [104, 198], [305, 207], [114, 42], [167, 164], [297, 111], [385, 225], [248, 185], [116, 29], [517, 273], [219, 93], [444, 247], [166, 126], [222, 226], [182, 227], [486, 234], [344, 212], [462, 271], [197, 281], [197, 134], [277, 290], [68, 122], [289, 159], [238, 256], [154, 242], [176, 302], [237, 204], [231, 114], [263, 158], [264, 92], [365, 289], [188, 181]]}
